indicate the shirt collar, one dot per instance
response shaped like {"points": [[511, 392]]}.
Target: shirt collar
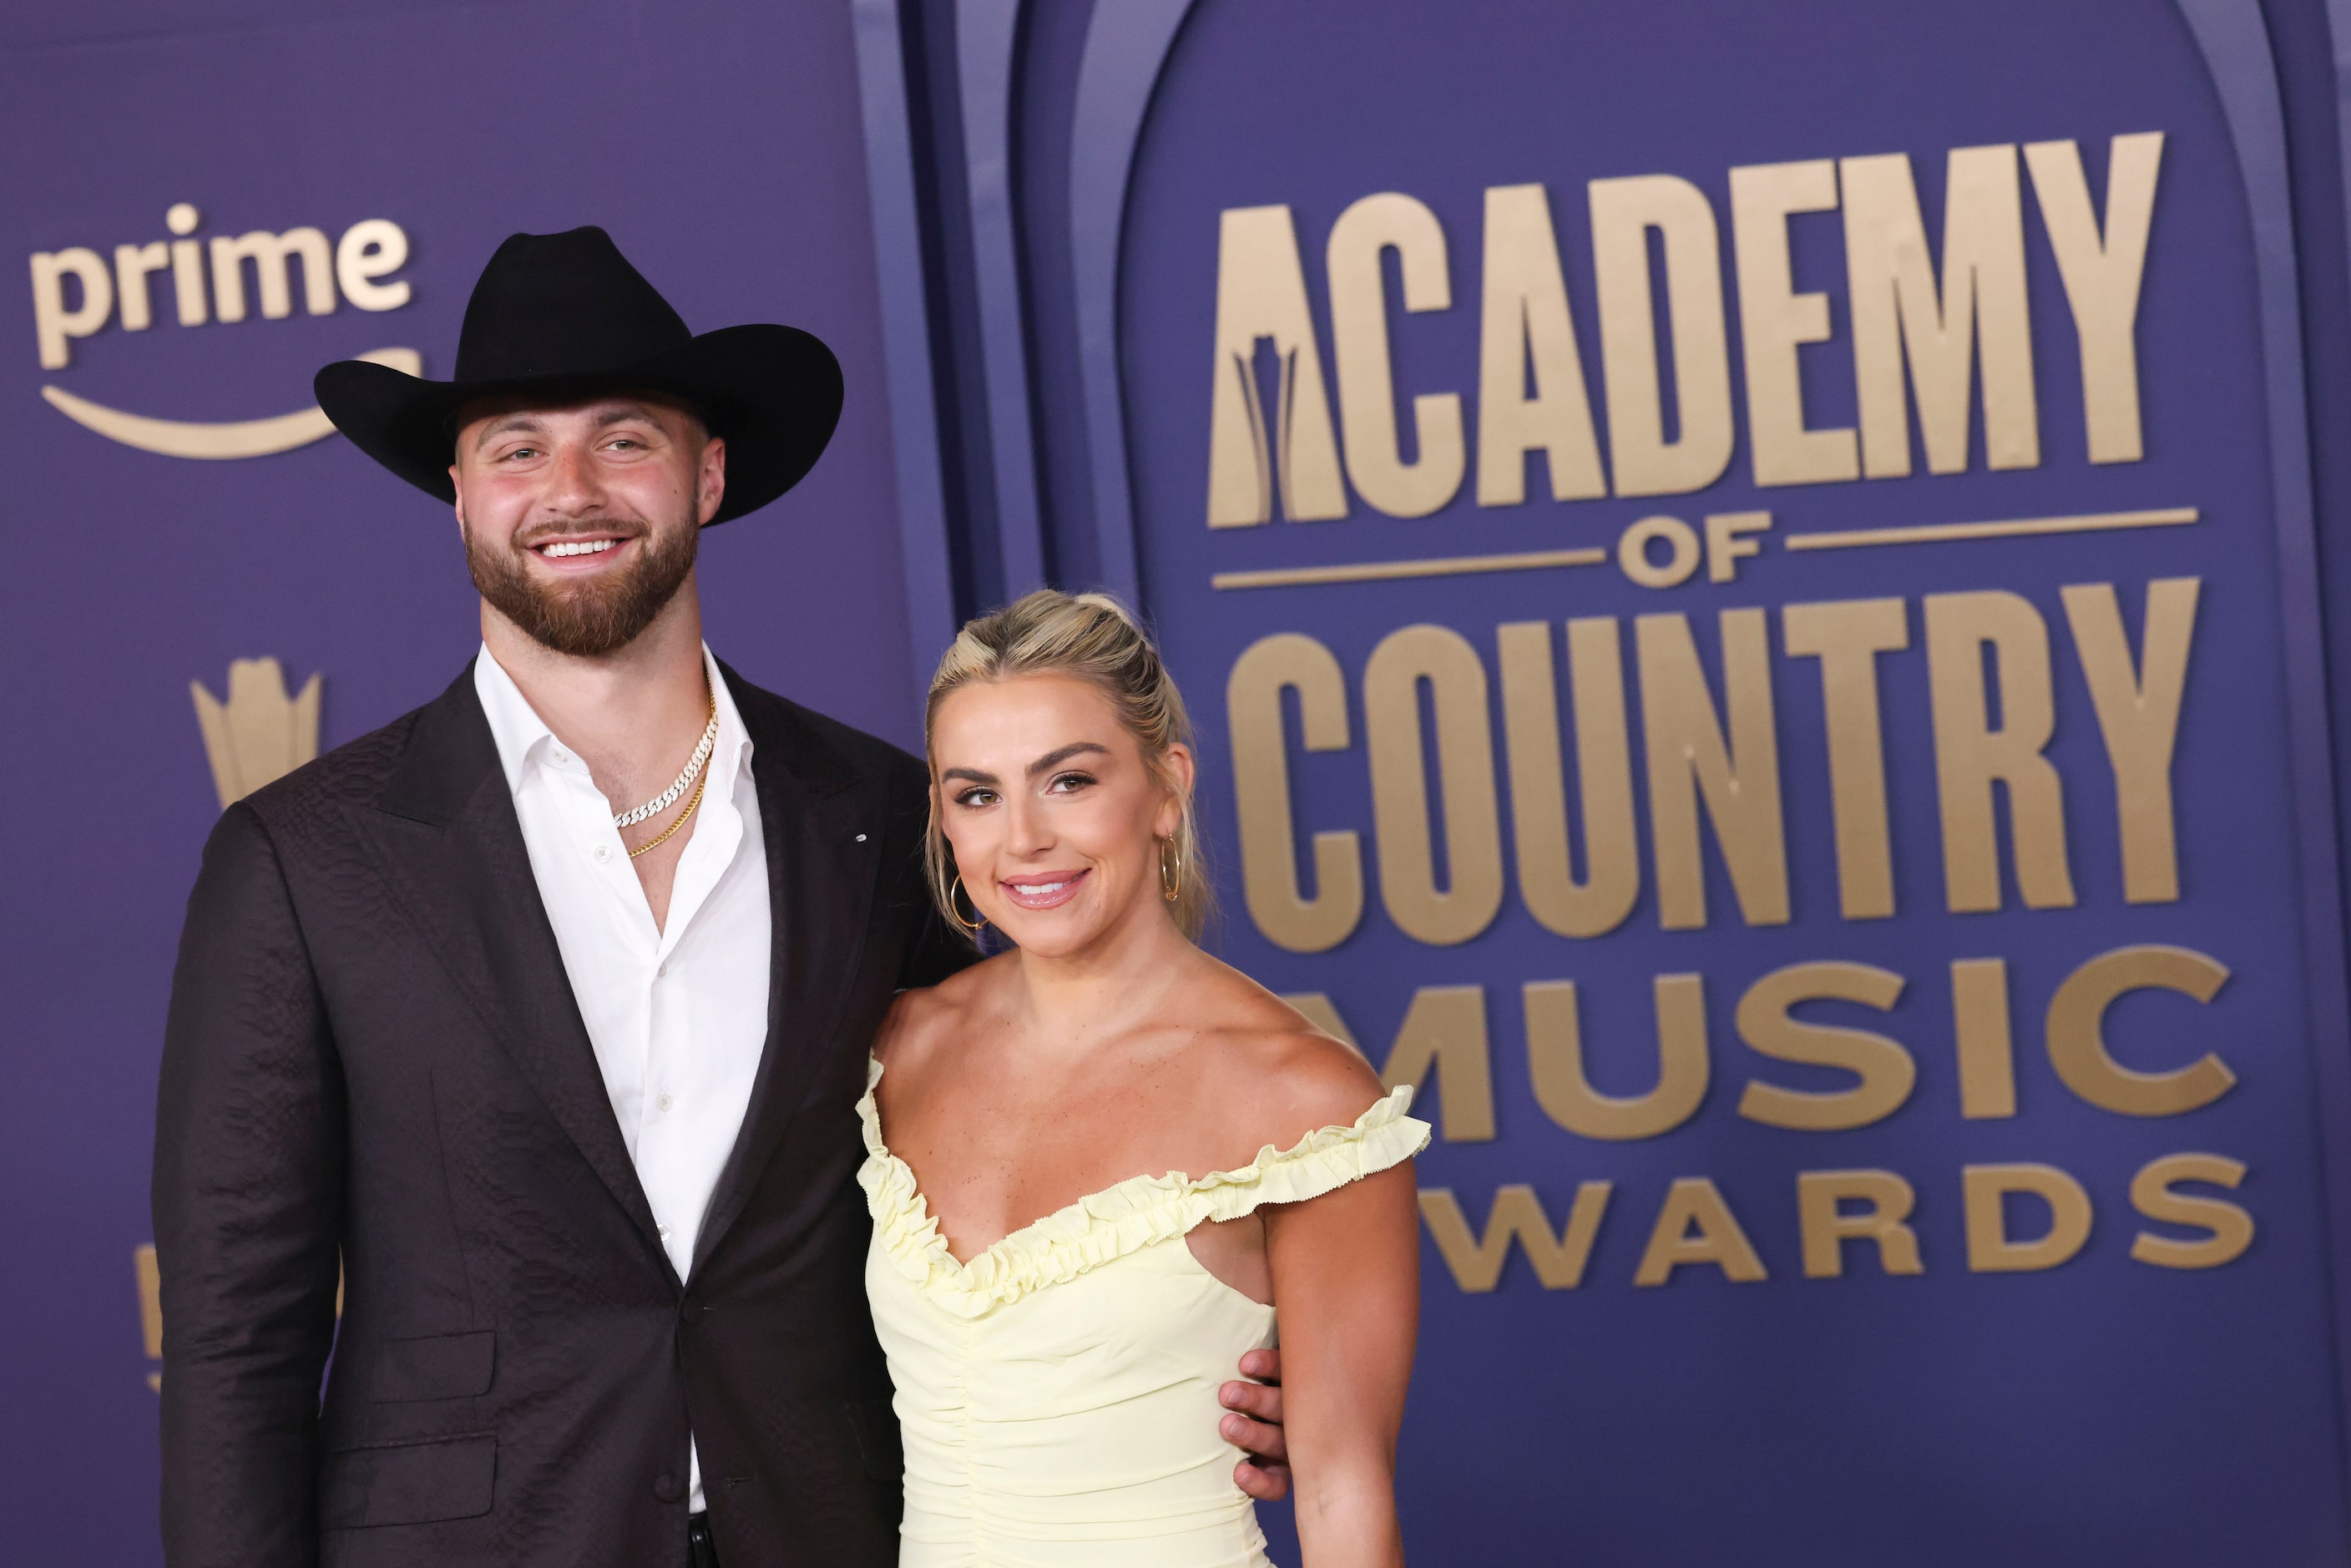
{"points": [[524, 740]]}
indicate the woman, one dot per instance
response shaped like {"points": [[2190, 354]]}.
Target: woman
{"points": [[1057, 1376]]}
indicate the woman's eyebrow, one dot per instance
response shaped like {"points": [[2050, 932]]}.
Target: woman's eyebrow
{"points": [[971, 775], [1054, 759]]}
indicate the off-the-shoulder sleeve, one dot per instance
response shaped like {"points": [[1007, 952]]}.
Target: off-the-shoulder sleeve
{"points": [[1108, 1225], [1325, 1159]]}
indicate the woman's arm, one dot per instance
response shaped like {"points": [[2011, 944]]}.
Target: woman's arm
{"points": [[1346, 1283]]}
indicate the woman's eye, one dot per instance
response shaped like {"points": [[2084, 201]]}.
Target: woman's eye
{"points": [[1068, 783], [976, 797]]}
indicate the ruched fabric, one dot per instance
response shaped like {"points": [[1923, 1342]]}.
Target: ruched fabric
{"points": [[1058, 1393]]}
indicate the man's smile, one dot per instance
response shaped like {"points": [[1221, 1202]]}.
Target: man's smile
{"points": [[578, 553]]}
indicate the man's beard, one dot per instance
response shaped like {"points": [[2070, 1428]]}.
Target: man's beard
{"points": [[593, 616]]}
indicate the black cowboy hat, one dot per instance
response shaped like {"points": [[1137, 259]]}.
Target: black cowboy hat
{"points": [[566, 314]]}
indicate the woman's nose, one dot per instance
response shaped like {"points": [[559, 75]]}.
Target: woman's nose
{"points": [[1031, 832]]}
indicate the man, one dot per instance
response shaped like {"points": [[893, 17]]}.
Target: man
{"points": [[539, 1015]]}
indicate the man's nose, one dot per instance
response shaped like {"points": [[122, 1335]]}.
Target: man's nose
{"points": [[573, 487]]}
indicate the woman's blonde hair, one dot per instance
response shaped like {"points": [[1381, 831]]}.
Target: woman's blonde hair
{"points": [[1092, 637]]}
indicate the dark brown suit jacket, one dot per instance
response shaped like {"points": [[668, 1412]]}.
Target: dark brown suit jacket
{"points": [[374, 1060]]}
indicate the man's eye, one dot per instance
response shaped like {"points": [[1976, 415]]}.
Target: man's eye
{"points": [[524, 452]]}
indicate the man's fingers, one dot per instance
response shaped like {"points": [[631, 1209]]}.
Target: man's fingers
{"points": [[1260, 1440], [1265, 1366], [1259, 1400], [1267, 1483]]}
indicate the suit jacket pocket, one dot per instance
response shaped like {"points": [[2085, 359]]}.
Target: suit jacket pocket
{"points": [[443, 1366], [875, 1426], [408, 1483]]}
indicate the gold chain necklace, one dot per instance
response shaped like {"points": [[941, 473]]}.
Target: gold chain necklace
{"points": [[692, 775], [663, 837], [668, 798]]}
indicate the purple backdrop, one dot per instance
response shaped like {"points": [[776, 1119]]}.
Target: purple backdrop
{"points": [[720, 144]]}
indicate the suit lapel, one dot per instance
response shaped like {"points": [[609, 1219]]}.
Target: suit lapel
{"points": [[821, 880], [451, 849]]}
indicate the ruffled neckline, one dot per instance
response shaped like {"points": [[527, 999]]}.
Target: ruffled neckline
{"points": [[1121, 1219]]}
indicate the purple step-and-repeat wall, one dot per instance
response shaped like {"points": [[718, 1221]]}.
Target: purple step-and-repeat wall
{"points": [[719, 142], [1754, 580]]}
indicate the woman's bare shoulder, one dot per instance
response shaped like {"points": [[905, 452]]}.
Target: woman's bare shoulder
{"points": [[1282, 1076], [919, 1020]]}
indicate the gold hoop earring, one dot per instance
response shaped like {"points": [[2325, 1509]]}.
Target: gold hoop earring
{"points": [[974, 926], [1168, 889]]}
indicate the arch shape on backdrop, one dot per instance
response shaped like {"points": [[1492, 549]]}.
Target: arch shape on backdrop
{"points": [[1117, 100]]}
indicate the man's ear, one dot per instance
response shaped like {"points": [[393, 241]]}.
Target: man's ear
{"points": [[711, 486], [458, 505]]}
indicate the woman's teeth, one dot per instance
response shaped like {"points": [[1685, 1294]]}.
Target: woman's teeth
{"points": [[587, 547], [1035, 887]]}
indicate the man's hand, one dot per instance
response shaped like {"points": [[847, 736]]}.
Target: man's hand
{"points": [[1265, 1474]]}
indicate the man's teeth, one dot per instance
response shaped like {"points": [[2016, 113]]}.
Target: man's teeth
{"points": [[587, 547]]}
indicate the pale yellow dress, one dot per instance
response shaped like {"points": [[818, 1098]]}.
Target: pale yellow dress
{"points": [[1058, 1393]]}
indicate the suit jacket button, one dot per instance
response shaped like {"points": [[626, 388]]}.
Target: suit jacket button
{"points": [[667, 1488], [690, 1310]]}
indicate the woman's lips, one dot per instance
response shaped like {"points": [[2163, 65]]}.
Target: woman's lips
{"points": [[1045, 889]]}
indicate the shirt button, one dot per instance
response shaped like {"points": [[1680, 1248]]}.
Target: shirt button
{"points": [[663, 1103], [602, 853], [562, 755], [664, 1232], [660, 971]]}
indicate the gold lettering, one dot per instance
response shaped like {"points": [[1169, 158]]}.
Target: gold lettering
{"points": [[2138, 715], [1885, 1071], [2102, 274], [2230, 1227], [1728, 544], [1970, 754], [150, 1307], [1525, 319], [1261, 293], [1604, 776], [1827, 1227], [1898, 309], [2076, 1032], [1623, 214], [1475, 1262], [1563, 1089], [1261, 793], [1359, 342], [1682, 552], [1980, 1028], [1846, 637], [1694, 1226], [1445, 1029], [1689, 758], [1774, 321], [1400, 806], [1990, 1249]]}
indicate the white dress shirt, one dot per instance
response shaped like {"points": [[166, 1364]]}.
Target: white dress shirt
{"points": [[677, 1014]]}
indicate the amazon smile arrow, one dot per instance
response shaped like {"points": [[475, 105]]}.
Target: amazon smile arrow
{"points": [[230, 438]]}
